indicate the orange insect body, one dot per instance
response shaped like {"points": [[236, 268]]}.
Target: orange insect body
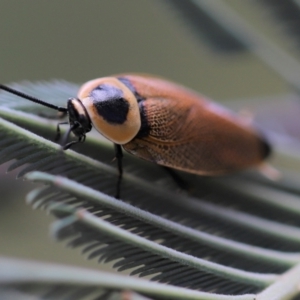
{"points": [[171, 125]]}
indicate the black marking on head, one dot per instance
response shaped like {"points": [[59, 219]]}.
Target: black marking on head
{"points": [[110, 103], [127, 82], [145, 126]]}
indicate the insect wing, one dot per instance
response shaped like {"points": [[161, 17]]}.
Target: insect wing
{"points": [[189, 133]]}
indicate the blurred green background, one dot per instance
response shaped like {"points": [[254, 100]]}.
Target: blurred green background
{"points": [[81, 40]]}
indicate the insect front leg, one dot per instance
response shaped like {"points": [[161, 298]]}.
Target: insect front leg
{"points": [[69, 145], [119, 157], [58, 132]]}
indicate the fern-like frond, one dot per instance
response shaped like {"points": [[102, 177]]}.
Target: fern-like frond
{"points": [[287, 14], [231, 236], [167, 265], [154, 227], [206, 27], [241, 32], [26, 280]]}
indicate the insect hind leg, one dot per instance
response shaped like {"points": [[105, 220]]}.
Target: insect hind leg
{"points": [[179, 181]]}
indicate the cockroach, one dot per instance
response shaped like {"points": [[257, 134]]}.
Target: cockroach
{"points": [[162, 122]]}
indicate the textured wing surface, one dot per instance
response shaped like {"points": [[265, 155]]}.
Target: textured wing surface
{"points": [[190, 133]]}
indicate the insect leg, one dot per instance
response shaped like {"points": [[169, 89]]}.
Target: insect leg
{"points": [[182, 184], [58, 133], [68, 146], [119, 157]]}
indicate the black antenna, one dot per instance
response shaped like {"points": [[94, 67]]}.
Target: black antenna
{"points": [[33, 99]]}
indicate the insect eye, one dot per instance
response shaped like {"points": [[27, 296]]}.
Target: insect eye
{"points": [[78, 114]]}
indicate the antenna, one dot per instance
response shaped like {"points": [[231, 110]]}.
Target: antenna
{"points": [[33, 99]]}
